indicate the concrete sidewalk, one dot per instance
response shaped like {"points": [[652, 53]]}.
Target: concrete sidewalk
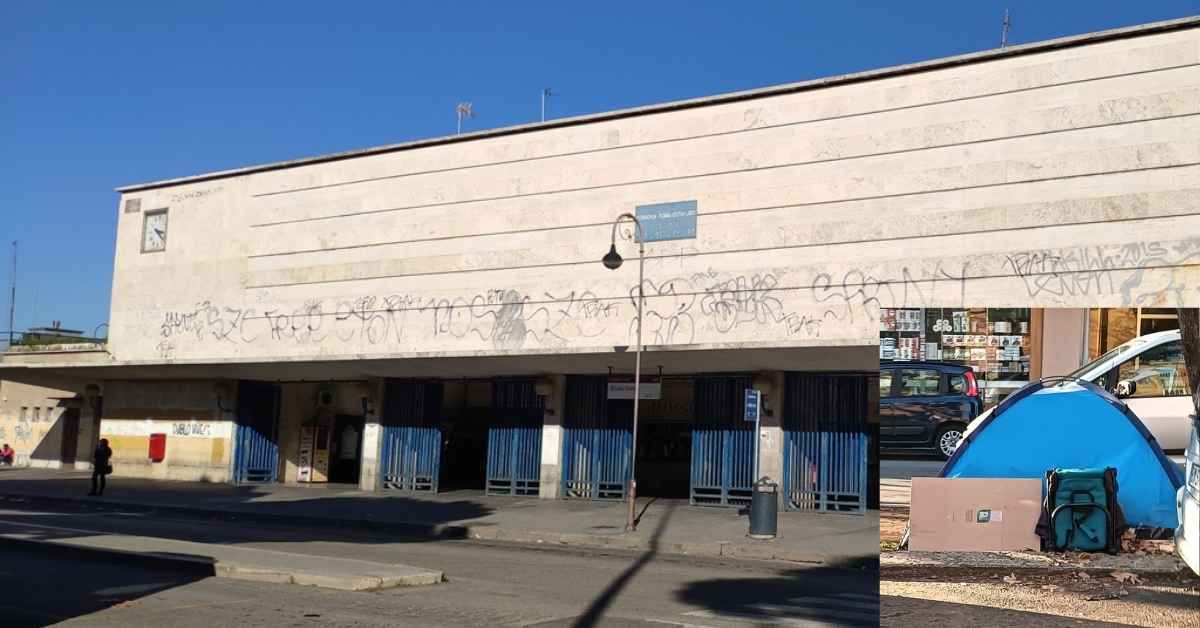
{"points": [[682, 529], [224, 561]]}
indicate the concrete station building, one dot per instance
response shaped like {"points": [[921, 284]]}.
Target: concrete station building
{"points": [[434, 315]]}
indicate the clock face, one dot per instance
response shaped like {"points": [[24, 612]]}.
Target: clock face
{"points": [[154, 231]]}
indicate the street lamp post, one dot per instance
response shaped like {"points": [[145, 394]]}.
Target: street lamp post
{"points": [[613, 261]]}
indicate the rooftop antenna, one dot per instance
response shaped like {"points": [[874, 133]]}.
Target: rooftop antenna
{"points": [[12, 301], [1004, 30], [546, 93], [464, 111]]}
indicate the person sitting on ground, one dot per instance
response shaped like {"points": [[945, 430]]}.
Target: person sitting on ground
{"points": [[6, 455], [100, 466]]}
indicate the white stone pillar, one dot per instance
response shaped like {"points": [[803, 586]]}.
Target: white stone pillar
{"points": [[552, 439], [771, 436], [372, 440], [88, 433], [225, 400]]}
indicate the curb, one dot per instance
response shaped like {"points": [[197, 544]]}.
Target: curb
{"points": [[752, 551], [398, 528], [749, 551], [189, 564], [206, 567]]}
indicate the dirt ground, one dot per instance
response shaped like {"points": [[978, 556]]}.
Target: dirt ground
{"points": [[1031, 598], [1036, 598], [891, 527]]}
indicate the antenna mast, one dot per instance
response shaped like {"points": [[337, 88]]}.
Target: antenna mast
{"points": [[12, 301], [1004, 30], [546, 93], [464, 111]]}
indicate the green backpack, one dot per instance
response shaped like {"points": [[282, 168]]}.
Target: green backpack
{"points": [[1080, 512]]}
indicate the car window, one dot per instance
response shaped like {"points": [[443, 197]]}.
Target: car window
{"points": [[919, 382], [1125, 348], [956, 384], [885, 382], [1157, 372]]}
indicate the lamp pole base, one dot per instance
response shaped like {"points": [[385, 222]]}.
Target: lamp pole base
{"points": [[631, 521]]}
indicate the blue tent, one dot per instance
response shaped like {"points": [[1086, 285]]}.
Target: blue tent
{"points": [[1061, 423]]}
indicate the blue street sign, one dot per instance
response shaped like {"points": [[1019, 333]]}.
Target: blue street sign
{"points": [[668, 221], [753, 397]]}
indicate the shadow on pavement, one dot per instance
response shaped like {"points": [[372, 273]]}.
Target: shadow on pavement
{"points": [[300, 514], [34, 591], [835, 594], [595, 612], [57, 509]]}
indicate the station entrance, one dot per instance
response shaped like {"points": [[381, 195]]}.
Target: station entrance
{"points": [[692, 443], [465, 435]]}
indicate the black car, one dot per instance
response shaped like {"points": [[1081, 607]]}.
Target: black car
{"points": [[926, 405]]}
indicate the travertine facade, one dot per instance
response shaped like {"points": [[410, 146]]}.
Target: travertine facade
{"points": [[1058, 176]]}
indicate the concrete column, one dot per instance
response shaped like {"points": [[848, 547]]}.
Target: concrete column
{"points": [[295, 402], [552, 439], [771, 436], [1064, 340], [88, 433], [372, 440], [225, 400]]}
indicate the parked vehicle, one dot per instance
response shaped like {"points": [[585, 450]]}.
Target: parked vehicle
{"points": [[926, 405], [1187, 504], [1148, 374]]}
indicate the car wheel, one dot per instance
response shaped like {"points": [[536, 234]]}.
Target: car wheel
{"points": [[946, 440]]}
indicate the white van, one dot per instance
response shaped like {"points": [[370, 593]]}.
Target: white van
{"points": [[1149, 375], [1187, 504]]}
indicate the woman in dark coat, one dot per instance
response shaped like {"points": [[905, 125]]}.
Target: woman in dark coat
{"points": [[100, 466]]}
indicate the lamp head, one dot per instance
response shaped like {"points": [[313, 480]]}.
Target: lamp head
{"points": [[612, 260]]}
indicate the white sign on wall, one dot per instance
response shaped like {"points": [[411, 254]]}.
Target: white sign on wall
{"points": [[624, 390]]}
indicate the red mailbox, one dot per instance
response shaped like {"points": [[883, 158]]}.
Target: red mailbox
{"points": [[158, 447]]}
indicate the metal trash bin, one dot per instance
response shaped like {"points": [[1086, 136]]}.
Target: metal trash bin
{"points": [[764, 510]]}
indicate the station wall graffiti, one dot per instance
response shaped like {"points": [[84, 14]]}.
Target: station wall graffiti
{"points": [[1132, 274], [803, 302], [504, 319]]}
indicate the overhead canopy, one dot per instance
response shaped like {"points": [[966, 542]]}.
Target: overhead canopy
{"points": [[1057, 424], [72, 371]]}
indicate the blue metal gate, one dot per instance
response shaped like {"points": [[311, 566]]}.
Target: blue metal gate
{"points": [[411, 453], [514, 453], [825, 442], [595, 445], [256, 452], [722, 443]]}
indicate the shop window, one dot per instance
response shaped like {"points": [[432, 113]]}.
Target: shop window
{"points": [[1152, 323], [919, 382], [1157, 372]]}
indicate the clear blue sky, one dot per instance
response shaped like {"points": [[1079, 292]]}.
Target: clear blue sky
{"points": [[94, 95]]}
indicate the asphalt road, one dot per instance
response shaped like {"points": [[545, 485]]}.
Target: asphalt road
{"points": [[896, 474], [488, 585]]}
